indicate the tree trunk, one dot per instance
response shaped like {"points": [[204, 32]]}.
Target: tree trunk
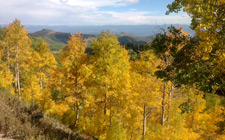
{"points": [[32, 98], [18, 80], [17, 71], [170, 100], [77, 105], [77, 114], [110, 111], [15, 78], [144, 122], [8, 63], [41, 83], [105, 108], [131, 135], [163, 104]]}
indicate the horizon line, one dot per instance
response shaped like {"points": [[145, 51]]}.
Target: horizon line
{"points": [[97, 25]]}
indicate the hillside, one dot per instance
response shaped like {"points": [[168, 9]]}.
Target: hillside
{"points": [[125, 38], [58, 40], [18, 120], [50, 37]]}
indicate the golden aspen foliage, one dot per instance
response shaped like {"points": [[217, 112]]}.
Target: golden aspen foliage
{"points": [[36, 80], [74, 70], [198, 120], [18, 52], [5, 73], [108, 97], [145, 89], [109, 88], [5, 76]]}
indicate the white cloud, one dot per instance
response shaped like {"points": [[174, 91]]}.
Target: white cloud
{"points": [[94, 3], [91, 3], [135, 17], [78, 12], [131, 1]]}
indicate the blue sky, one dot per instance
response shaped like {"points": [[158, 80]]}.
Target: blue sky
{"points": [[155, 7], [89, 12]]}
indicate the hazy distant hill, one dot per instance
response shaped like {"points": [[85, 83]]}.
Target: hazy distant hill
{"points": [[136, 30], [125, 38], [50, 37], [58, 40]]}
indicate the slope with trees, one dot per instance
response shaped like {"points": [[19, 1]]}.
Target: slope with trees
{"points": [[165, 91]]}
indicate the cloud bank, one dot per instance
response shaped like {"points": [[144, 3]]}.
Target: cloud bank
{"points": [[79, 12]]}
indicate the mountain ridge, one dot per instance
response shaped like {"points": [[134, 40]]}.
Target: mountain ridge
{"points": [[136, 30], [57, 40]]}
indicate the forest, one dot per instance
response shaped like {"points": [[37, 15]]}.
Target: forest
{"points": [[172, 89]]}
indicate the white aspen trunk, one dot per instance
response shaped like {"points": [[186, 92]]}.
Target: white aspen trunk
{"points": [[163, 105], [170, 99], [144, 122], [8, 63], [18, 80], [77, 105], [15, 78], [17, 71]]}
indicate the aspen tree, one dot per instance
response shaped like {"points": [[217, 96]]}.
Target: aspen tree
{"points": [[18, 52], [109, 81], [74, 61]]}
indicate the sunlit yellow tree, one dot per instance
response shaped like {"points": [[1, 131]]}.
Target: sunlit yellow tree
{"points": [[42, 66], [5, 74], [18, 52], [109, 88], [74, 61], [145, 87]]}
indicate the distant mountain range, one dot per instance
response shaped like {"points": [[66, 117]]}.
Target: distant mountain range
{"points": [[57, 36], [136, 30], [57, 40]]}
